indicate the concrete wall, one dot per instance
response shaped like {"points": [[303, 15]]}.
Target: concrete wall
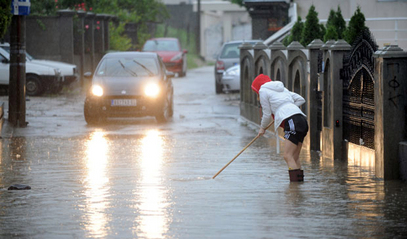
{"points": [[298, 68], [80, 38], [221, 21]]}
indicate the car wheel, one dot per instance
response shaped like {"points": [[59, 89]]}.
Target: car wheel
{"points": [[184, 68], [91, 117], [166, 111], [33, 85], [218, 88], [171, 110]]}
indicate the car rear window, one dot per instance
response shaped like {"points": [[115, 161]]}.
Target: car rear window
{"points": [[124, 67], [232, 50], [161, 45]]}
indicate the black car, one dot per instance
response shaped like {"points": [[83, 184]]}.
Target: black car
{"points": [[129, 84]]}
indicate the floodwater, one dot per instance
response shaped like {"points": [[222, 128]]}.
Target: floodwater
{"points": [[139, 179]]}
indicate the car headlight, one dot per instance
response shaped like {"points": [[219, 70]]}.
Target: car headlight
{"points": [[152, 90], [97, 90], [177, 57]]}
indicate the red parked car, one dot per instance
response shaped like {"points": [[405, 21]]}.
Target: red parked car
{"points": [[169, 49]]}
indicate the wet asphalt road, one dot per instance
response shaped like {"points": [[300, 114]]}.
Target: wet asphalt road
{"points": [[139, 179]]}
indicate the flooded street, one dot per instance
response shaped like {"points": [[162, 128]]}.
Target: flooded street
{"points": [[135, 178]]}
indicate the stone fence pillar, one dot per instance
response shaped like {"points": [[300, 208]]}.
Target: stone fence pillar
{"points": [[338, 51], [333, 98], [90, 41], [79, 46], [390, 94], [312, 101], [66, 39]]}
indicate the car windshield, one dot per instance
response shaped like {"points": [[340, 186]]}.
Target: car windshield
{"points": [[232, 50], [7, 48], [127, 66], [161, 45]]}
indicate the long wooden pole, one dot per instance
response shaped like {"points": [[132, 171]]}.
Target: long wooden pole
{"points": [[241, 152]]}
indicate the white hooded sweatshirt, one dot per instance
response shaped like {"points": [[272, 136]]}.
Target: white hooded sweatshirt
{"points": [[276, 99]]}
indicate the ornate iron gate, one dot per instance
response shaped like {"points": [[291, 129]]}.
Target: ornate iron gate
{"points": [[358, 92]]}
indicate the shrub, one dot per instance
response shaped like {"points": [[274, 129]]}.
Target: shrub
{"points": [[312, 29], [356, 26]]}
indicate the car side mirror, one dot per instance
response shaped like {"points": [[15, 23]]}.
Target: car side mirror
{"points": [[170, 74], [185, 51], [4, 61], [87, 74]]}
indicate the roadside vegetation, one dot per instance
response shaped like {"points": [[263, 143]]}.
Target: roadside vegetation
{"points": [[5, 16]]}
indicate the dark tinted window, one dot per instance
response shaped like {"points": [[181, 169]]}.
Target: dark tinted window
{"points": [[127, 66]]}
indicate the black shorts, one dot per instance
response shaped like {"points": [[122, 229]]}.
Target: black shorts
{"points": [[295, 128]]}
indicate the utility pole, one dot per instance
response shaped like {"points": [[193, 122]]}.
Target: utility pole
{"points": [[16, 99], [198, 35]]}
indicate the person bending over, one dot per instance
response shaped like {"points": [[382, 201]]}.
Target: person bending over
{"points": [[278, 102]]}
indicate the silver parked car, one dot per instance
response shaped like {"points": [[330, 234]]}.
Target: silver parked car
{"points": [[229, 56], [231, 79]]}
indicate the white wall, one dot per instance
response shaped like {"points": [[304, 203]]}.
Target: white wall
{"points": [[222, 21]]}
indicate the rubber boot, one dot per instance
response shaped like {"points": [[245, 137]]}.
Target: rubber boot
{"points": [[296, 175]]}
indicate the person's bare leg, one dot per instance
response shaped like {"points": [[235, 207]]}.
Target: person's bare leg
{"points": [[297, 155], [289, 154]]}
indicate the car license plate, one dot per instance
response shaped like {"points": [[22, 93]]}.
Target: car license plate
{"points": [[124, 102]]}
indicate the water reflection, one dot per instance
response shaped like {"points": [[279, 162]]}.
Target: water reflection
{"points": [[96, 188], [361, 156], [18, 148], [152, 195]]}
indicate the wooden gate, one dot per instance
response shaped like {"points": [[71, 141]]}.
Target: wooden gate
{"points": [[358, 92]]}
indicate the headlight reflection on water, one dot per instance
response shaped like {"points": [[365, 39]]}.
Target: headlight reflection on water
{"points": [[152, 195], [96, 188]]}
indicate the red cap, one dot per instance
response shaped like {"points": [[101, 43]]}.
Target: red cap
{"points": [[259, 81]]}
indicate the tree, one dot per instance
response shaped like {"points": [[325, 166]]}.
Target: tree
{"points": [[340, 23], [356, 26], [140, 12], [238, 2], [336, 25], [296, 32], [331, 33], [5, 16], [312, 29]]}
